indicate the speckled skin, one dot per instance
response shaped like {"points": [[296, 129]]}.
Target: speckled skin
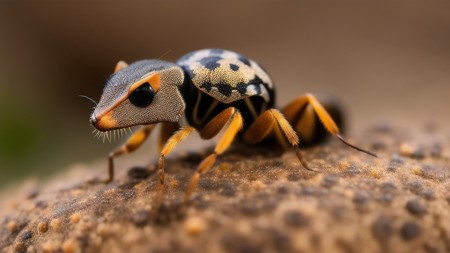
{"points": [[167, 105], [208, 79], [225, 75]]}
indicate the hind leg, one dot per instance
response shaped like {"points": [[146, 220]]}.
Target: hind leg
{"points": [[266, 123], [305, 108]]}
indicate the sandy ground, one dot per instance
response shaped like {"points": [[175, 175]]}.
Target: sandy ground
{"points": [[254, 200]]}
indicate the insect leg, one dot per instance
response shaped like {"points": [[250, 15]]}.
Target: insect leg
{"points": [[298, 107], [264, 125], [210, 130], [167, 130], [175, 139], [130, 145]]}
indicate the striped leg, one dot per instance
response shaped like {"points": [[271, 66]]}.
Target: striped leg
{"points": [[299, 107], [211, 129]]}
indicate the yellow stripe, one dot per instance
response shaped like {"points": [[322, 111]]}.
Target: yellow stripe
{"points": [[195, 118], [197, 121], [251, 108]]}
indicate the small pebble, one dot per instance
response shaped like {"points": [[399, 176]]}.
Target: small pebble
{"points": [[293, 177], [69, 246], [412, 150], [42, 227], [32, 193], [258, 184], [386, 198], [340, 212], [138, 173], [360, 198], [388, 186], [416, 208], [310, 191], [406, 149], [195, 225], [428, 194], [85, 224], [128, 194], [140, 218], [382, 228], [75, 218], [261, 202], [281, 240], [295, 218], [395, 162], [415, 186], [26, 235], [329, 181], [353, 170], [210, 185], [228, 189], [20, 247], [418, 154], [55, 224], [225, 166], [430, 171], [375, 173], [104, 229], [51, 246], [436, 150], [283, 189], [378, 145], [417, 171], [13, 226], [410, 230], [41, 204]]}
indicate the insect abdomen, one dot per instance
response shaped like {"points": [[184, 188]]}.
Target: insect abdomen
{"points": [[225, 75]]}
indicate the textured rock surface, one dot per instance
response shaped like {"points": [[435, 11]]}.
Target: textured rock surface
{"points": [[254, 200]]}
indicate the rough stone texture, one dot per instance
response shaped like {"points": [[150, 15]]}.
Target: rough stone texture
{"points": [[253, 200]]}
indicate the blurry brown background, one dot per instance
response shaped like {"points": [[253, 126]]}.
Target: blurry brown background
{"points": [[386, 60]]}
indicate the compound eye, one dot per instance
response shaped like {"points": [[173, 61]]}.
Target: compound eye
{"points": [[142, 96]]}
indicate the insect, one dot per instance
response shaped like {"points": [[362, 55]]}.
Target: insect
{"points": [[213, 89]]}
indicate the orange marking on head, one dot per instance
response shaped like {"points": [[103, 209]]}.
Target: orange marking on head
{"points": [[120, 65], [153, 79], [106, 122]]}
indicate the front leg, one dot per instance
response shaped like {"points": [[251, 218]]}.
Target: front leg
{"points": [[134, 142], [170, 144], [211, 129]]}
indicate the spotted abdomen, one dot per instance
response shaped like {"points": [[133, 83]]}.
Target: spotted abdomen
{"points": [[226, 76]]}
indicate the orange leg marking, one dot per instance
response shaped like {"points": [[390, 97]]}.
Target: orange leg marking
{"points": [[297, 108], [170, 144], [166, 131], [217, 123], [264, 125], [134, 142], [210, 130]]}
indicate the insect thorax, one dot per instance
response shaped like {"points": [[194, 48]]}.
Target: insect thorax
{"points": [[216, 79]]}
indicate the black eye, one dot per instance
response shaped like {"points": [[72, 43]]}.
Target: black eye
{"points": [[142, 96]]}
